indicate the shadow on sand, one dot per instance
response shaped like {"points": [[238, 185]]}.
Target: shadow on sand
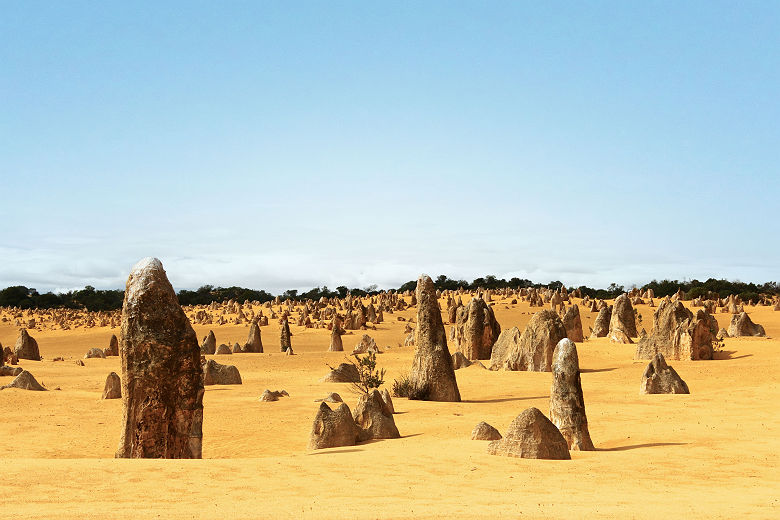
{"points": [[595, 370], [638, 446], [324, 452], [729, 354], [504, 399]]}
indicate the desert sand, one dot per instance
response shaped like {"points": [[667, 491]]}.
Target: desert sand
{"points": [[710, 454]]}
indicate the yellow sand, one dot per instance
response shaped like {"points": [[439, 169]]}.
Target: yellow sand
{"points": [[709, 454]]}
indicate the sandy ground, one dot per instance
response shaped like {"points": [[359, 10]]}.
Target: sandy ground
{"points": [[710, 454]]}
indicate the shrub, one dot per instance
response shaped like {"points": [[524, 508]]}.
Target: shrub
{"points": [[370, 377], [403, 387]]}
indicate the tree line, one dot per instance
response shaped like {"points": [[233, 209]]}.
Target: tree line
{"points": [[93, 299]]}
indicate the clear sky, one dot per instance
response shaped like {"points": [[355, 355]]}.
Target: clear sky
{"points": [[283, 145]]}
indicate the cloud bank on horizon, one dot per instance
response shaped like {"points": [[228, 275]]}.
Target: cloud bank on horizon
{"points": [[292, 146]]}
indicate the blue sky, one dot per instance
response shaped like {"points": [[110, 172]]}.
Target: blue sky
{"points": [[285, 145]]}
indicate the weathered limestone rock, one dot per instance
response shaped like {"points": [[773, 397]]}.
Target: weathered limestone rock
{"points": [[162, 386], [333, 428], [742, 325], [223, 349], [336, 345], [484, 432], [660, 378], [113, 387], [254, 342], [209, 345], [26, 347], [623, 317], [459, 361], [573, 324], [113, 346], [677, 334], [476, 330], [271, 396], [531, 436], [216, 374], [24, 381], [387, 399], [432, 375], [332, 397], [95, 353], [344, 373], [601, 326], [567, 405], [374, 418], [7, 370], [285, 340], [533, 350], [619, 336], [366, 345]]}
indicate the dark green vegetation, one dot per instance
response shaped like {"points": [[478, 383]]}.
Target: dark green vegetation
{"points": [[93, 299]]}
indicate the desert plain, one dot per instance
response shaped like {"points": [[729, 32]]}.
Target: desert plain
{"points": [[710, 454]]}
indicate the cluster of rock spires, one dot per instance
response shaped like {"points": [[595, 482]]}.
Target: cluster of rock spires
{"points": [[372, 419], [164, 372]]}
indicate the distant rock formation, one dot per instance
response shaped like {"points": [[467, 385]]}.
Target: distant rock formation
{"points": [[476, 330], [26, 347], [742, 325], [113, 387], [573, 324], [533, 350]]}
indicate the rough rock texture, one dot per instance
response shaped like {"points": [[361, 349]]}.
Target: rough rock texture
{"points": [[366, 345], [24, 381], [484, 432], [254, 343], [619, 336], [623, 317], [209, 345], [533, 349], [387, 399], [332, 397], [336, 345], [660, 378], [374, 418], [344, 373], [223, 349], [113, 346], [216, 374], [26, 347], [285, 338], [601, 325], [8, 370], [476, 330], [432, 376], [95, 353], [333, 428], [677, 334], [531, 436], [271, 396], [573, 324], [162, 386], [567, 405], [459, 360], [742, 325], [113, 387]]}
